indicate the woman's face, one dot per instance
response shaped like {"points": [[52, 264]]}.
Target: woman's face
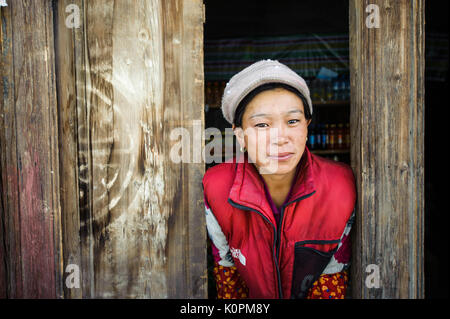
{"points": [[274, 131]]}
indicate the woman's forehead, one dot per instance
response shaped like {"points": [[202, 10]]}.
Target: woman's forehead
{"points": [[289, 111], [274, 102]]}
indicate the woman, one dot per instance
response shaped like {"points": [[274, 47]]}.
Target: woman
{"points": [[278, 217]]}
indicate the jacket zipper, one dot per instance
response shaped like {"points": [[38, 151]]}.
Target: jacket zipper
{"points": [[277, 234], [280, 292], [280, 222]]}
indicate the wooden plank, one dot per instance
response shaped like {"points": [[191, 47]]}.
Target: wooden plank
{"points": [[10, 193], [139, 216], [387, 130], [193, 93], [30, 172], [188, 217], [68, 99]]}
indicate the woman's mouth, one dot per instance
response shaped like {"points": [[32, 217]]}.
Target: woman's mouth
{"points": [[281, 156]]}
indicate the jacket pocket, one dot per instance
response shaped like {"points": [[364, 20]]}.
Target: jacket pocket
{"points": [[309, 263]]}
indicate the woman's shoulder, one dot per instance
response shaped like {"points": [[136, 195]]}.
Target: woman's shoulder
{"points": [[335, 184], [219, 176], [334, 174], [328, 165]]}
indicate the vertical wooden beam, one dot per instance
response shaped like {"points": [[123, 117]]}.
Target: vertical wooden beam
{"points": [[68, 44], [187, 277], [387, 131], [133, 71], [29, 148]]}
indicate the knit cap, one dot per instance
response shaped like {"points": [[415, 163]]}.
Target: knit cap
{"points": [[257, 74]]}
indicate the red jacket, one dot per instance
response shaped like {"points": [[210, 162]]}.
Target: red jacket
{"points": [[279, 261]]}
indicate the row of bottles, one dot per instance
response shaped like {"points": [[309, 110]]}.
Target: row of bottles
{"points": [[329, 136], [324, 90], [213, 93]]}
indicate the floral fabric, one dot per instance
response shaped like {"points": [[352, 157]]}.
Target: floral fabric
{"points": [[230, 285]]}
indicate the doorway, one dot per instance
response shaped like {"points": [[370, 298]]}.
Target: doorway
{"points": [[311, 37]]}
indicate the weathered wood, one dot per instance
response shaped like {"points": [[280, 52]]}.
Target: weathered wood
{"points": [[131, 219], [387, 131], [69, 96], [29, 152], [133, 70], [189, 274]]}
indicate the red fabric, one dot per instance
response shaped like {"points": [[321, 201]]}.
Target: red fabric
{"points": [[324, 195]]}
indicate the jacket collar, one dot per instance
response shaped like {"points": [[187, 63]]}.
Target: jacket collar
{"points": [[248, 187]]}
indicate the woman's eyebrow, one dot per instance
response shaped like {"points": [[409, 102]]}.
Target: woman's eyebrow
{"points": [[294, 111], [268, 115], [258, 115]]}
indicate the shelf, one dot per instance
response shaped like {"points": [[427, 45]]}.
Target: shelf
{"points": [[330, 152]]}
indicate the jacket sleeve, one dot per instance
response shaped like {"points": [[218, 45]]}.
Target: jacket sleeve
{"points": [[229, 283], [333, 282]]}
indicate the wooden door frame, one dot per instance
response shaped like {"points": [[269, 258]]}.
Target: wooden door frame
{"points": [[387, 153]]}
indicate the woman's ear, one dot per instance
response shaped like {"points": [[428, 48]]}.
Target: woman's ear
{"points": [[239, 132], [308, 122]]}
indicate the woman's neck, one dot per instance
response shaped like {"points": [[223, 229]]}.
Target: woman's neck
{"points": [[277, 180], [279, 186]]}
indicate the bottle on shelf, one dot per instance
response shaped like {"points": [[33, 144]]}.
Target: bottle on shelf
{"points": [[312, 137], [323, 136], [335, 90], [331, 137], [340, 136], [318, 136], [328, 90]]}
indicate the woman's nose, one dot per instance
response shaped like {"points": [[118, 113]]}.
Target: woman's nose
{"points": [[279, 135]]}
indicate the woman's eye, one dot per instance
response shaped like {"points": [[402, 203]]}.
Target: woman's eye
{"points": [[293, 121], [262, 125]]}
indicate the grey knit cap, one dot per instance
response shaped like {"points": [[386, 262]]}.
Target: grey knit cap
{"points": [[257, 74]]}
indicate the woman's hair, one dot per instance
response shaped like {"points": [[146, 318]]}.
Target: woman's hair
{"points": [[266, 87]]}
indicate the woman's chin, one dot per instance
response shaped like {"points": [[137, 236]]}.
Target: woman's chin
{"points": [[276, 167]]}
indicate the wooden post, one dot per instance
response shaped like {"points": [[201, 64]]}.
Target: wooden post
{"points": [[127, 76], [30, 207], [387, 131]]}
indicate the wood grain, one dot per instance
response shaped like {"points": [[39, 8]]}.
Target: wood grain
{"points": [[387, 131], [29, 143], [133, 72], [86, 174]]}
